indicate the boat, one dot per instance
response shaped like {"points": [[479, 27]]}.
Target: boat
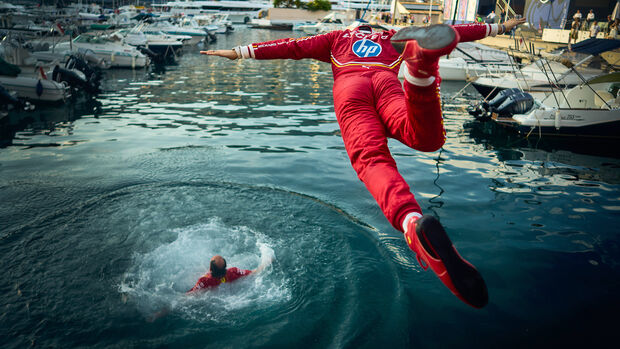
{"points": [[224, 25], [471, 60], [36, 89], [117, 54], [241, 11], [546, 74], [27, 78], [332, 21], [197, 35], [541, 76], [590, 109], [161, 45]]}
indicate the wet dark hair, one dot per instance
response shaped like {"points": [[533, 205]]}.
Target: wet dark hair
{"points": [[217, 272]]}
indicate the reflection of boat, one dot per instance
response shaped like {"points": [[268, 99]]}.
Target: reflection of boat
{"points": [[503, 139], [589, 109], [43, 120]]}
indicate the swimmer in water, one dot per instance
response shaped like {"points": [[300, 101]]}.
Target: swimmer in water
{"points": [[372, 105], [218, 274]]}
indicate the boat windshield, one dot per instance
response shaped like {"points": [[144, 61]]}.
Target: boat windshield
{"points": [[90, 39]]}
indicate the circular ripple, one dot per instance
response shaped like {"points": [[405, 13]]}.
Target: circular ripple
{"points": [[117, 259]]}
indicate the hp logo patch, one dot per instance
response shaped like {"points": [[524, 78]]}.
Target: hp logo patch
{"points": [[366, 48]]}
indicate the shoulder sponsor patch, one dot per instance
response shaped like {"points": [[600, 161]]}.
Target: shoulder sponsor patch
{"points": [[366, 48]]}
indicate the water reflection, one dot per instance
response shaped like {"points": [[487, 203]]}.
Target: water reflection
{"points": [[20, 126], [578, 160]]}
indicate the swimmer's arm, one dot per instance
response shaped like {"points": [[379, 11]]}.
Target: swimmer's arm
{"points": [[262, 266]]}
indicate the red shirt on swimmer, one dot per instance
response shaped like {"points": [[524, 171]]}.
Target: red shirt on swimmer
{"points": [[218, 274]]}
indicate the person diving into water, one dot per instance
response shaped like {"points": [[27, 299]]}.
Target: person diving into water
{"points": [[371, 105]]}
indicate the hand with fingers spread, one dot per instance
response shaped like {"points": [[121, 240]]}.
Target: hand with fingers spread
{"points": [[512, 23]]}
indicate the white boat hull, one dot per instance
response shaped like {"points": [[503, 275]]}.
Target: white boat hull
{"points": [[577, 122], [26, 88]]}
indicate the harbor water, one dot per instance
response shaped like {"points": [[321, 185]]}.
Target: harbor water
{"points": [[111, 208]]}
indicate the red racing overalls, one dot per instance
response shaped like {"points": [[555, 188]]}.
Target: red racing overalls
{"points": [[371, 104]]}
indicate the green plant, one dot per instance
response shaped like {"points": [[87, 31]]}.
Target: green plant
{"points": [[287, 3], [318, 5]]}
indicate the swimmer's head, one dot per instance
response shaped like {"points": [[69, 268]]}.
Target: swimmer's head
{"points": [[218, 266]]}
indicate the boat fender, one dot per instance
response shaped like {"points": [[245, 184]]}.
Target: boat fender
{"points": [[557, 119], [39, 88]]}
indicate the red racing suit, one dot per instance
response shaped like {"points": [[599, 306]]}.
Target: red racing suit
{"points": [[372, 105], [209, 281]]}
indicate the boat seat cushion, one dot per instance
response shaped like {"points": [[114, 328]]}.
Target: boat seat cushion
{"points": [[605, 96]]}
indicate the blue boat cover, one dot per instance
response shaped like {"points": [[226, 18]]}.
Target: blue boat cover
{"points": [[595, 46]]}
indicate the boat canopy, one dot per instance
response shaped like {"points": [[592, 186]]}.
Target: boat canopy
{"points": [[595, 46]]}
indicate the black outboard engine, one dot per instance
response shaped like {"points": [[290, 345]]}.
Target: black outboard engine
{"points": [[484, 110], [517, 103], [7, 98], [93, 76], [73, 79], [148, 52], [501, 97]]}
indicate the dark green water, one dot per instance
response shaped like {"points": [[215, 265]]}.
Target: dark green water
{"points": [[111, 209]]}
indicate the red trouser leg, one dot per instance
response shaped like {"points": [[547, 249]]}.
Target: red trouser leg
{"points": [[371, 107], [412, 116]]}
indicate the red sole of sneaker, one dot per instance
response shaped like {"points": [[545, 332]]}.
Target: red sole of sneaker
{"points": [[466, 279]]}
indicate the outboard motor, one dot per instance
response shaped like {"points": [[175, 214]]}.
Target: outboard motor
{"points": [[92, 76], [212, 37], [517, 103], [483, 110], [149, 53], [75, 80], [501, 97]]}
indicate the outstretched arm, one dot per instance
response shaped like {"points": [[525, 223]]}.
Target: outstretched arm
{"points": [[317, 47], [230, 54], [472, 32]]}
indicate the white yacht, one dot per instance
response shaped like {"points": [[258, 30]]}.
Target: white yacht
{"points": [[238, 11], [197, 35], [332, 21], [590, 109], [158, 43], [117, 54]]}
